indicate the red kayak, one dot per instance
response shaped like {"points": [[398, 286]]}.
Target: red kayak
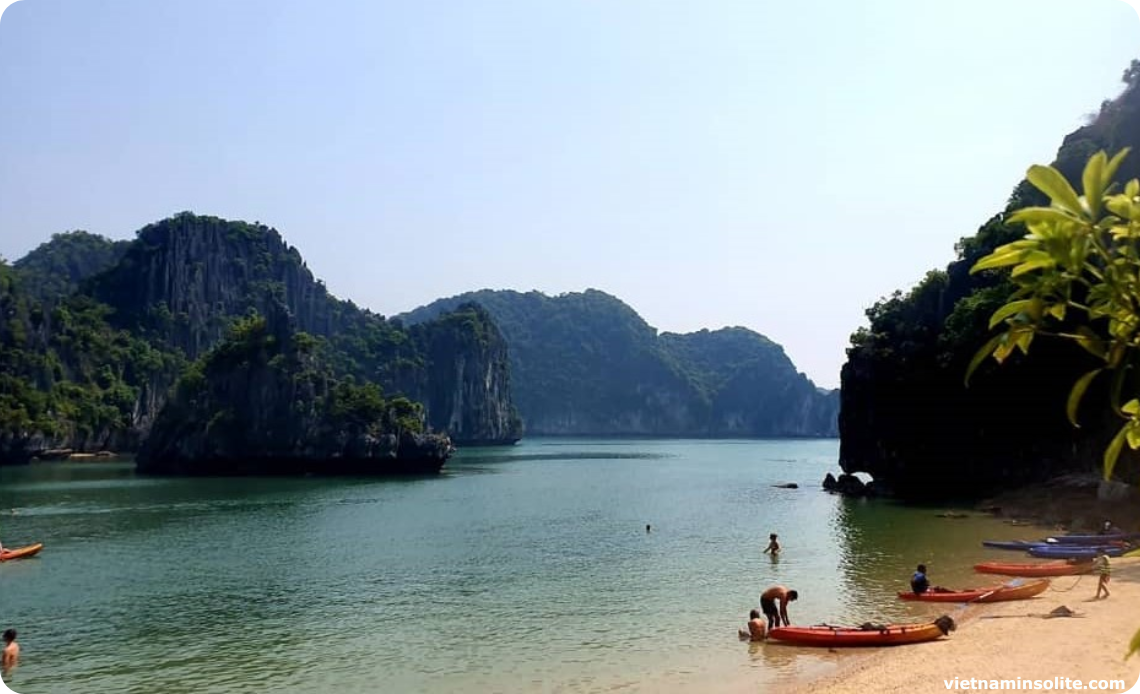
{"points": [[21, 553], [888, 635], [998, 593], [1055, 568]]}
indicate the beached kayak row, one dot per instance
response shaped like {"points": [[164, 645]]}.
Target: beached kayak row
{"points": [[1075, 547], [899, 634]]}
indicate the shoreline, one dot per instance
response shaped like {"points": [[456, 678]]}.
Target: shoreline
{"points": [[1002, 641]]}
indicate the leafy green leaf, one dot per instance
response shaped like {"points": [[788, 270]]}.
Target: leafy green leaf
{"points": [[1131, 407], [1024, 339], [1089, 340], [1050, 181], [996, 259], [1078, 392], [1094, 183], [1036, 261], [1113, 165], [980, 356], [1033, 215], [1120, 205], [1112, 453], [1011, 309]]}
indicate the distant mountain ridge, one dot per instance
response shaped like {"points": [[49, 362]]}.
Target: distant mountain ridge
{"points": [[585, 363]]}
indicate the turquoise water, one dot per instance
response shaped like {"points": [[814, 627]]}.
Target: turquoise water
{"points": [[520, 569]]}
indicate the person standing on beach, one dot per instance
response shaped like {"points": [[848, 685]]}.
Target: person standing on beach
{"points": [[755, 630], [773, 545], [768, 604], [11, 655], [1104, 569]]}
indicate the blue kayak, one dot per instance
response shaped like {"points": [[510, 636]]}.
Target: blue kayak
{"points": [[1070, 552], [1090, 539], [1018, 545]]}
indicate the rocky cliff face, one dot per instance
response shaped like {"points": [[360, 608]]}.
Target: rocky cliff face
{"points": [[262, 404], [67, 378], [587, 364], [468, 393], [187, 278]]}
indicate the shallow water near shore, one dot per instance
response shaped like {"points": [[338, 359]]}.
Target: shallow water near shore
{"points": [[519, 569]]}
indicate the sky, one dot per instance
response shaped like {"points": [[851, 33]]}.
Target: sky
{"points": [[775, 165]]}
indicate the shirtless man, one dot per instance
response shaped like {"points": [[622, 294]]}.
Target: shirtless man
{"points": [[768, 600], [11, 656], [755, 631], [773, 545]]}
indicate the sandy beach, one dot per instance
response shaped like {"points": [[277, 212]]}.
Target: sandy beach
{"points": [[1000, 641]]}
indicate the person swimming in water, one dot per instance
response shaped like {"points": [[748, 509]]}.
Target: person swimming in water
{"points": [[11, 655], [773, 545]]}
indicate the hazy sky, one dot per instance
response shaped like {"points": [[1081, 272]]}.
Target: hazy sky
{"points": [[777, 165]]}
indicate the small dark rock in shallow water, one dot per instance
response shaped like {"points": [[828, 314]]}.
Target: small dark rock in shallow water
{"points": [[787, 485], [850, 485]]}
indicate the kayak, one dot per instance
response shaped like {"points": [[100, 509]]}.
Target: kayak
{"points": [[1056, 568], [1091, 539], [1019, 545], [888, 635], [21, 552], [1014, 590], [1067, 552]]}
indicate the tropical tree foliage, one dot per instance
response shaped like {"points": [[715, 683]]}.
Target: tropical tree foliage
{"points": [[1077, 272]]}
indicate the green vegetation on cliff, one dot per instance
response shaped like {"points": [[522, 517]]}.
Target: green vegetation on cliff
{"points": [[264, 401], [906, 413], [88, 352], [587, 364], [56, 268]]}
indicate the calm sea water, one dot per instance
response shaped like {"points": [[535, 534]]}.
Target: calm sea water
{"points": [[519, 569]]}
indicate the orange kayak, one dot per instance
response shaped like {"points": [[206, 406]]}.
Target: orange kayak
{"points": [[1055, 568], [21, 553], [997, 593], [890, 635]]}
